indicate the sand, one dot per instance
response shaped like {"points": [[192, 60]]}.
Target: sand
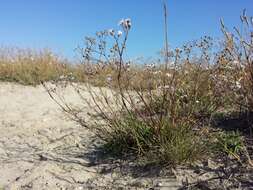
{"points": [[40, 148]]}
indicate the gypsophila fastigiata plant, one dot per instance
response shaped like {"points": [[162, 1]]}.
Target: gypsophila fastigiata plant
{"points": [[159, 110]]}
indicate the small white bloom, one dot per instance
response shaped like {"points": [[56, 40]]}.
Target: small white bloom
{"points": [[150, 66], [166, 87], [121, 22], [128, 22], [111, 32], [168, 75], [157, 72], [235, 62], [184, 96], [125, 23], [197, 101], [119, 33], [171, 63], [109, 79], [238, 84]]}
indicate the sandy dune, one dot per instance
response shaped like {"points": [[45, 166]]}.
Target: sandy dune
{"points": [[41, 149]]}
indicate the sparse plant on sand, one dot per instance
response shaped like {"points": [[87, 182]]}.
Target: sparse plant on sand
{"points": [[163, 111], [165, 115]]}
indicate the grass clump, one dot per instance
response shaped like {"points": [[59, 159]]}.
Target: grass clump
{"points": [[174, 145]]}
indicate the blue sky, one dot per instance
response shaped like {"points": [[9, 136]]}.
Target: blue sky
{"points": [[61, 25]]}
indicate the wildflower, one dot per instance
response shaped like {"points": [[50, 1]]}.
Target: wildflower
{"points": [[128, 64], [167, 87], [109, 79], [197, 101], [125, 23], [164, 87], [235, 62], [157, 72], [150, 66], [121, 22], [119, 33], [238, 84], [171, 63], [128, 22], [111, 32], [168, 75]]}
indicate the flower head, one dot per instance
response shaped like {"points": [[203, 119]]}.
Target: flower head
{"points": [[238, 84], [119, 33], [111, 32], [168, 75], [109, 78], [125, 23], [121, 22], [236, 62]]}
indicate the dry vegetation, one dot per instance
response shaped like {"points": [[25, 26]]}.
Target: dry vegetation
{"points": [[173, 112]]}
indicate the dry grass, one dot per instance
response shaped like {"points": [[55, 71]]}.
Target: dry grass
{"points": [[30, 67]]}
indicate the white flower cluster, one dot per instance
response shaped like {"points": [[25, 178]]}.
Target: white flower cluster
{"points": [[238, 85], [112, 32], [125, 23], [109, 78], [119, 33], [68, 77], [150, 66]]}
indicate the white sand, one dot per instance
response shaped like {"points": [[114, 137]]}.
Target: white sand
{"points": [[40, 148]]}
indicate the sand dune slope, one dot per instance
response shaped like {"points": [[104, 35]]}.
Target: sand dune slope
{"points": [[41, 149]]}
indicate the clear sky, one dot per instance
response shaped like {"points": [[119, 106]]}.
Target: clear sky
{"points": [[61, 25]]}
